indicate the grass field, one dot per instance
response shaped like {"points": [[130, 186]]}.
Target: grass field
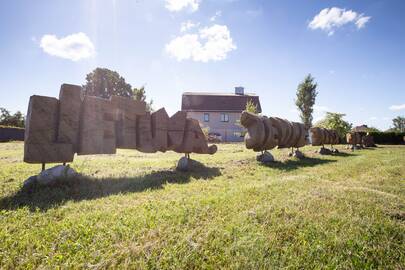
{"points": [[134, 210]]}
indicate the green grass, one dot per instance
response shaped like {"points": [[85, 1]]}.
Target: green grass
{"points": [[134, 210]]}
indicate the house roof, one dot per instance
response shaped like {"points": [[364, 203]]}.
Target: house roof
{"points": [[217, 102], [362, 128]]}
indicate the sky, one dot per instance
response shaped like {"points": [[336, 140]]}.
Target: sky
{"points": [[354, 49]]}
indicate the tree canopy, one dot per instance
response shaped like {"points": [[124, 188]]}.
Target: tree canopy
{"points": [[8, 119], [140, 95], [398, 124], [104, 83], [373, 129], [335, 121], [306, 94], [251, 107]]}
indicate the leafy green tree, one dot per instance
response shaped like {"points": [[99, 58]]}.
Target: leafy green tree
{"points": [[8, 119], [373, 129], [306, 94], [140, 95], [335, 121], [398, 124], [104, 83], [251, 107]]}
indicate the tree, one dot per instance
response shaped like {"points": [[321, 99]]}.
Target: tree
{"points": [[373, 129], [104, 83], [335, 121], [399, 124], [306, 94], [251, 107], [8, 119], [140, 95]]}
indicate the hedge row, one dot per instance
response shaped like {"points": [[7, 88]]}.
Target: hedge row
{"points": [[11, 134], [388, 137]]}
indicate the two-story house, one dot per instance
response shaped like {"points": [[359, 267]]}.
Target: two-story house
{"points": [[220, 112]]}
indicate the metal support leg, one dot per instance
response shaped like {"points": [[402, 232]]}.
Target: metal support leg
{"points": [[43, 166], [64, 163]]}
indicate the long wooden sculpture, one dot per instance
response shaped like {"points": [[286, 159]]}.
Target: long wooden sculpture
{"points": [[321, 136], [86, 125], [353, 138], [265, 133]]}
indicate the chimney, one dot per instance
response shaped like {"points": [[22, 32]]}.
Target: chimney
{"points": [[239, 90]]}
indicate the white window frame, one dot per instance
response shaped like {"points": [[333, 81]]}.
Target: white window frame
{"points": [[224, 117], [206, 117]]}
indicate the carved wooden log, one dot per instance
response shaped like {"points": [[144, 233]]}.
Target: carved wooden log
{"points": [[176, 128], [368, 141], [97, 131], [265, 133], [70, 106], [301, 142], [288, 134], [353, 138], [321, 136], [41, 132], [254, 138], [316, 136], [126, 111], [56, 129], [271, 134], [160, 122], [194, 140]]}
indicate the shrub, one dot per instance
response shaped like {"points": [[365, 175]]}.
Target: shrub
{"points": [[11, 134], [388, 137]]}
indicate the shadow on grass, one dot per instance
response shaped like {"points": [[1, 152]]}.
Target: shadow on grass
{"points": [[293, 164], [87, 188], [344, 154]]}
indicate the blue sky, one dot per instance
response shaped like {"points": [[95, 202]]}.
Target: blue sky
{"points": [[354, 49]]}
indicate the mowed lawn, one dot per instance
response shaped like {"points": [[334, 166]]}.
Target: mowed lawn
{"points": [[134, 210]]}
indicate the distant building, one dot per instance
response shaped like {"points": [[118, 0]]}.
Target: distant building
{"points": [[362, 128], [220, 112]]}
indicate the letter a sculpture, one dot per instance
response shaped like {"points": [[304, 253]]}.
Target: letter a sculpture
{"points": [[87, 125]]}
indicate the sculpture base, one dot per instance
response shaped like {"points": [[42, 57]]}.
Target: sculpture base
{"points": [[265, 157], [50, 176], [324, 151]]}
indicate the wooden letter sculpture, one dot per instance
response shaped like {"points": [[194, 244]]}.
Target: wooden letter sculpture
{"points": [[57, 129], [321, 136], [368, 140], [353, 138], [265, 133]]}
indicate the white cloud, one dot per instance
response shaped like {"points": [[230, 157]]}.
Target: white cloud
{"points": [[373, 118], [178, 5], [209, 44], [216, 16], [185, 26], [397, 107], [361, 22], [73, 47], [329, 19]]}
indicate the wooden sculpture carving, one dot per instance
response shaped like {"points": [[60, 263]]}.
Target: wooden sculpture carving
{"points": [[353, 138], [321, 136], [265, 133], [86, 125]]}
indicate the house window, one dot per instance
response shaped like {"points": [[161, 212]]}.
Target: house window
{"points": [[206, 117], [224, 117]]}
